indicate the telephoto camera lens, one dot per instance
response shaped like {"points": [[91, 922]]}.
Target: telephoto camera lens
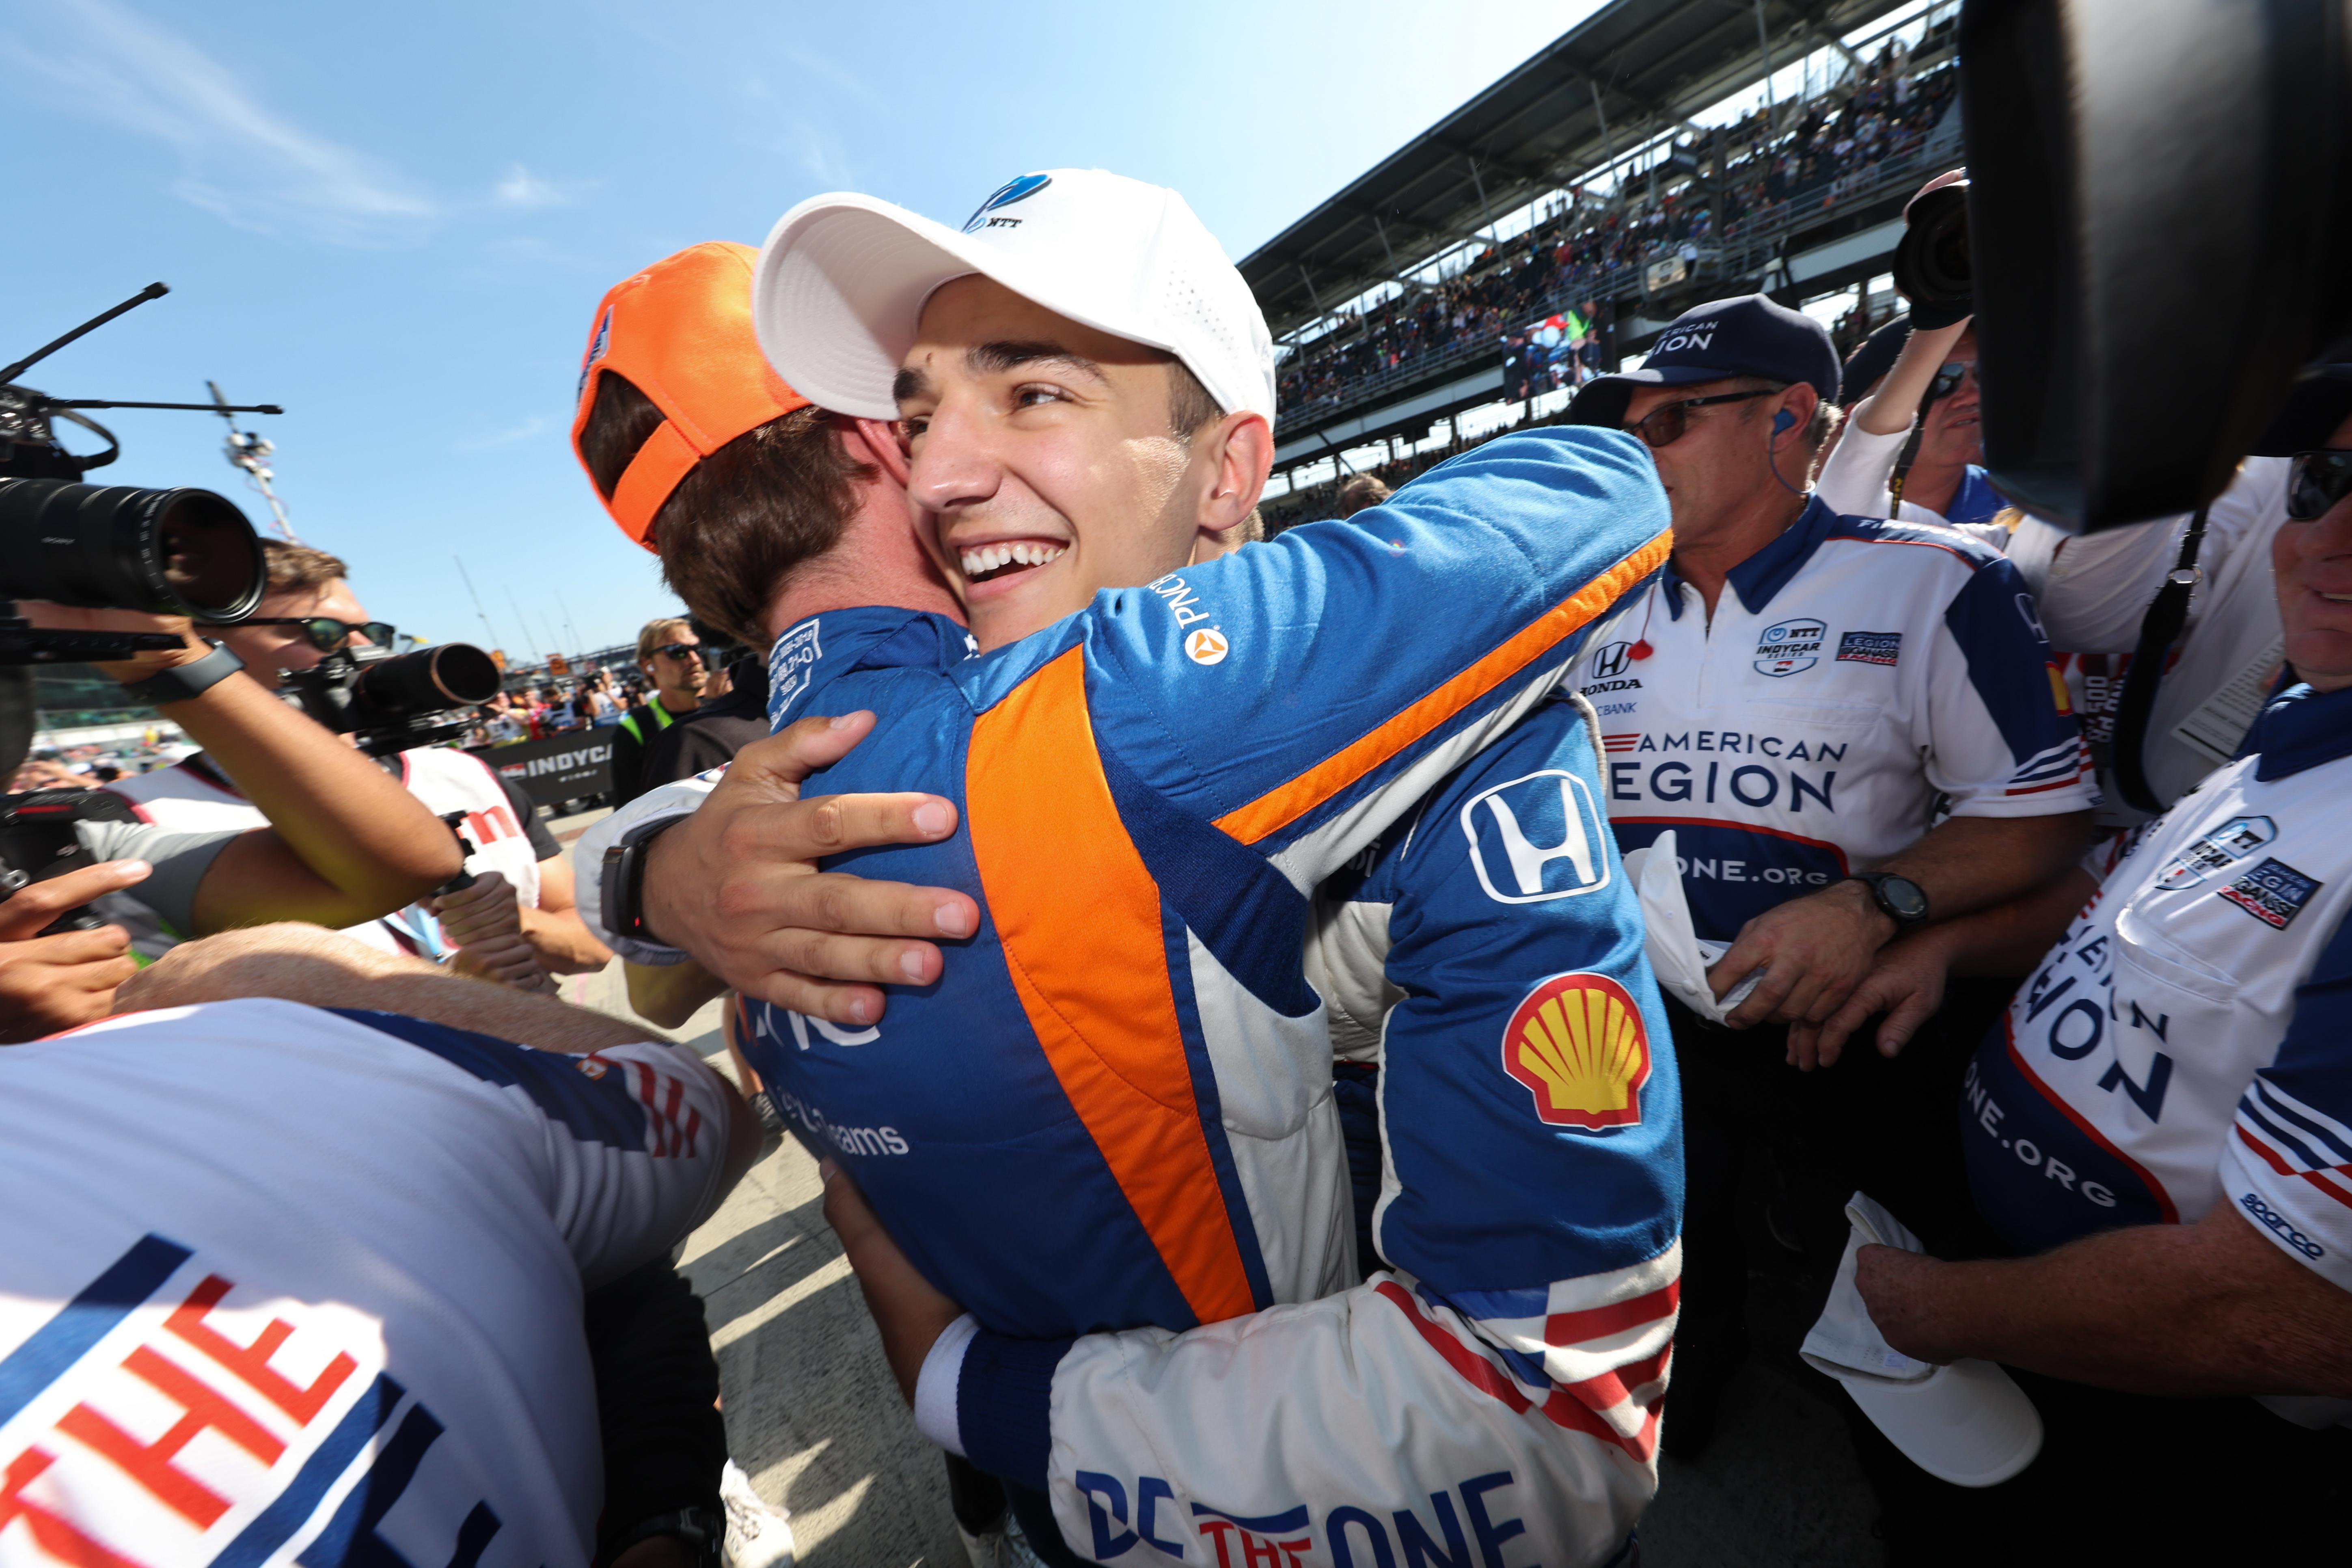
{"points": [[429, 680], [166, 552], [1931, 263]]}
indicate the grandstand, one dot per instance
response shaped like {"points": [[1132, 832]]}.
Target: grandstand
{"points": [[1660, 154]]}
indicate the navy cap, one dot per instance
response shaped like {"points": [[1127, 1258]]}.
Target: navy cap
{"points": [[1874, 358], [1750, 335], [2320, 401]]}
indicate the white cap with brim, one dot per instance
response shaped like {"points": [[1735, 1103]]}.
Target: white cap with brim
{"points": [[1965, 1423], [841, 281]]}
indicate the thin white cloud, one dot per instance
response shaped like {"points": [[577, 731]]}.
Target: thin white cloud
{"points": [[523, 432], [528, 192], [102, 61]]}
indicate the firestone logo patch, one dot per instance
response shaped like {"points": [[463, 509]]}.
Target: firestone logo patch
{"points": [[1579, 1045]]}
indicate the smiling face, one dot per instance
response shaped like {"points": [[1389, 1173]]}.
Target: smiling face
{"points": [[1044, 455], [1955, 433], [2312, 563]]}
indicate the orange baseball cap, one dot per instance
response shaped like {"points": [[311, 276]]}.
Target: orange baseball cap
{"points": [[682, 333]]}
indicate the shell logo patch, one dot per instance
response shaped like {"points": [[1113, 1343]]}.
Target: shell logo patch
{"points": [[2058, 692], [1579, 1047], [1206, 645]]}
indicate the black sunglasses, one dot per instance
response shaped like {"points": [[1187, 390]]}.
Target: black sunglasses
{"points": [[1664, 426], [2315, 481], [681, 649], [1948, 380], [326, 632]]}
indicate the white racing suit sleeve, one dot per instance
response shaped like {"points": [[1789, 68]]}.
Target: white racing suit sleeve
{"points": [[1853, 478], [1500, 1381], [632, 822]]}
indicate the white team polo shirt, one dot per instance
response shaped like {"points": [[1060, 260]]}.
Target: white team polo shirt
{"points": [[1859, 678], [192, 796], [280, 1284], [2189, 1042]]}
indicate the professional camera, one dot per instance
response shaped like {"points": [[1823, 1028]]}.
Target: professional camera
{"points": [[37, 841], [392, 701], [161, 551], [1931, 262]]}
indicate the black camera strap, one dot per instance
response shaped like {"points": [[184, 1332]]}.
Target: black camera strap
{"points": [[2166, 614], [1910, 453]]}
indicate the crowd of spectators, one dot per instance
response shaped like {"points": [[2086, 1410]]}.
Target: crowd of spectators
{"points": [[1737, 180]]}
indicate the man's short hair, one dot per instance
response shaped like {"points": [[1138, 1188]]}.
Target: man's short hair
{"points": [[1190, 410], [1190, 406], [741, 519], [659, 631], [295, 568], [1361, 490]]}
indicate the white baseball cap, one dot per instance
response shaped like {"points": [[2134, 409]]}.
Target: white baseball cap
{"points": [[843, 279]]}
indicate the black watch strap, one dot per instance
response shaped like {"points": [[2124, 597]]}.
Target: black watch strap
{"points": [[1876, 882], [698, 1530], [185, 681], [624, 879]]}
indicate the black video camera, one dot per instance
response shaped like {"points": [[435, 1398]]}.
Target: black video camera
{"points": [[393, 701]]}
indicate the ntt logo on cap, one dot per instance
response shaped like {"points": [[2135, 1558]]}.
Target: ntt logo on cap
{"points": [[1005, 194]]}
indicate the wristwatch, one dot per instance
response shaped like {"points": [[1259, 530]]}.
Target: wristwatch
{"points": [[1899, 898], [182, 681], [700, 1531], [623, 881]]}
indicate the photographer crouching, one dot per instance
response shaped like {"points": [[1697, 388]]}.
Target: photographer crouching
{"points": [[331, 839], [515, 922]]}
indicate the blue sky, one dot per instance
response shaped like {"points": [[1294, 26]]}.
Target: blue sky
{"points": [[395, 221]]}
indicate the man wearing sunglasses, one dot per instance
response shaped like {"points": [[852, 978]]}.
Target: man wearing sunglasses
{"points": [[1797, 699], [520, 906], [1931, 388], [2167, 1109], [670, 654]]}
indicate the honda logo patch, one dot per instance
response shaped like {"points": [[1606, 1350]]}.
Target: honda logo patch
{"points": [[1537, 839]]}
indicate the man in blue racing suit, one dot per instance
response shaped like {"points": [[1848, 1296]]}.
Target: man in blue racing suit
{"points": [[1150, 789]]}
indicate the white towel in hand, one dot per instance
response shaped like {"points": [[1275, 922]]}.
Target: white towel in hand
{"points": [[1678, 956]]}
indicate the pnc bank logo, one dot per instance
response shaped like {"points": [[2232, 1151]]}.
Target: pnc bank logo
{"points": [[1537, 838], [1579, 1045]]}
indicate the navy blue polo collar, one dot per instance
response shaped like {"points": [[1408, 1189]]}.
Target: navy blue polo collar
{"points": [[1759, 578], [2301, 729], [820, 650]]}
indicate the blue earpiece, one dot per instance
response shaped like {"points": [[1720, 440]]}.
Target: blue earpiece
{"points": [[1782, 420]]}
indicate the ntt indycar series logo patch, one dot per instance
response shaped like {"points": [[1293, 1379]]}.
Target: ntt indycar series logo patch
{"points": [[1790, 648], [2225, 846]]}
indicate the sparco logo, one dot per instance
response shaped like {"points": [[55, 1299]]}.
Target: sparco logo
{"points": [[2277, 1222]]}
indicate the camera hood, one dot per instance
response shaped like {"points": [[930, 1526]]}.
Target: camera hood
{"points": [[2160, 221]]}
